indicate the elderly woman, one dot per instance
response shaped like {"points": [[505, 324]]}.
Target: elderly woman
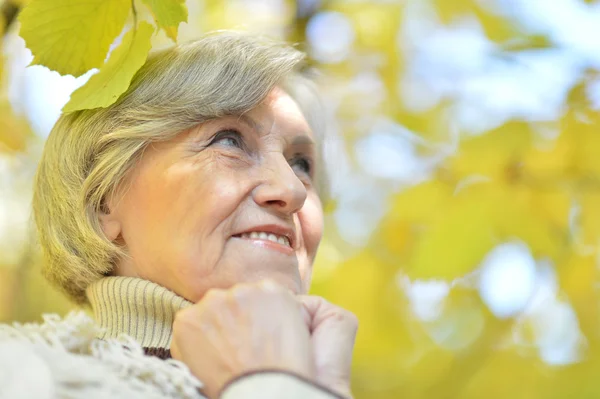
{"points": [[188, 215]]}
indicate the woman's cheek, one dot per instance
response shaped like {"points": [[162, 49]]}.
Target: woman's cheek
{"points": [[218, 188], [311, 221]]}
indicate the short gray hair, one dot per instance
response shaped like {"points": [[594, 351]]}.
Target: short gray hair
{"points": [[90, 152]]}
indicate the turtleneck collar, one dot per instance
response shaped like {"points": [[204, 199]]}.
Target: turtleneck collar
{"points": [[136, 307]]}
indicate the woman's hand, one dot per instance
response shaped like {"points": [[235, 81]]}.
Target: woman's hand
{"points": [[246, 328], [333, 331]]}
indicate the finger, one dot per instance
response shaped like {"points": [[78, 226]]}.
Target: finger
{"points": [[310, 306], [312, 303], [322, 311], [307, 317], [213, 295]]}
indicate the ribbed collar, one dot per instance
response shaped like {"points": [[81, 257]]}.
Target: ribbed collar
{"points": [[136, 307]]}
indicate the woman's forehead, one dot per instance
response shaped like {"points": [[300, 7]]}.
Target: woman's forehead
{"points": [[279, 113]]}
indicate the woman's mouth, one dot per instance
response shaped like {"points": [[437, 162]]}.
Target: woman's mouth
{"points": [[267, 240], [261, 235]]}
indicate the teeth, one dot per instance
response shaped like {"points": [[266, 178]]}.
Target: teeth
{"points": [[260, 235]]}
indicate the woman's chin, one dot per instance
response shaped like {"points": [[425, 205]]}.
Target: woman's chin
{"points": [[290, 281]]}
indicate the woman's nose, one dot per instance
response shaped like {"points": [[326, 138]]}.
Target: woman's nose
{"points": [[279, 187]]}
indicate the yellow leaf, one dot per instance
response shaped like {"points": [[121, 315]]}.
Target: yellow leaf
{"points": [[394, 236], [455, 243], [20, 3], [15, 133], [521, 220], [370, 292], [454, 247], [8, 289], [477, 219], [496, 154], [450, 11], [104, 88], [2, 24], [497, 28], [410, 210], [421, 203], [588, 233], [168, 14], [72, 36], [588, 144], [374, 23], [549, 161], [553, 206], [579, 279]]}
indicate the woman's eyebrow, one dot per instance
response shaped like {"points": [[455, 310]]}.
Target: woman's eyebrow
{"points": [[302, 139], [251, 123]]}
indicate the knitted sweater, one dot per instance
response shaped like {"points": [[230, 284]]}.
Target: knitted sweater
{"points": [[123, 354]]}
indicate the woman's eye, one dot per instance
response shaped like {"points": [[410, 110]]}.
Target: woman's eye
{"points": [[303, 164], [228, 138]]}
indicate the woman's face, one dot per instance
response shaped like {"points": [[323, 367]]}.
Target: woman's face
{"points": [[233, 200]]}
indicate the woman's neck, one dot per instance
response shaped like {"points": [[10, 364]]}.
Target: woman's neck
{"points": [[135, 307]]}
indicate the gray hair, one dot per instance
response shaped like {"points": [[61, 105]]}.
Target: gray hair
{"points": [[89, 153]]}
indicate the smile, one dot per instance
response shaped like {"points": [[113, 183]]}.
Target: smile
{"points": [[261, 235]]}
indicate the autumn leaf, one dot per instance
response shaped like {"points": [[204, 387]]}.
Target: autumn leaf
{"points": [[493, 153], [578, 277], [2, 24], [550, 160], [588, 224], [168, 14], [455, 244], [476, 220], [421, 203], [448, 11], [553, 206], [410, 210], [72, 36], [14, 131], [104, 88], [519, 214]]}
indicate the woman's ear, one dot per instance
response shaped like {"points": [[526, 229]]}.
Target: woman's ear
{"points": [[111, 225]]}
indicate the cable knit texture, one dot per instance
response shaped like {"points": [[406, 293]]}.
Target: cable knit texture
{"points": [[135, 307], [63, 359], [76, 357]]}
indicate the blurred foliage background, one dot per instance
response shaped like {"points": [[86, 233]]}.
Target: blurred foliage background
{"points": [[465, 156]]}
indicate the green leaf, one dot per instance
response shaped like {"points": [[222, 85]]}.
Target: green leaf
{"points": [[105, 87], [72, 36], [168, 14]]}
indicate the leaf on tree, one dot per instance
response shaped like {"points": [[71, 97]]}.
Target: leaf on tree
{"points": [[72, 36], [168, 14], [15, 133], [456, 243], [104, 88]]}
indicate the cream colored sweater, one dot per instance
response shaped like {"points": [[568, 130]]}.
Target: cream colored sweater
{"points": [[138, 308], [77, 357]]}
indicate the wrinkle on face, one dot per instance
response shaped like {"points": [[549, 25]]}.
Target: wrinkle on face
{"points": [[188, 199]]}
